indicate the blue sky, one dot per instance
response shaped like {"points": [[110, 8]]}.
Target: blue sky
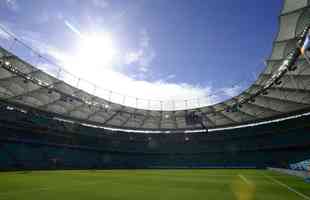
{"points": [[161, 50]]}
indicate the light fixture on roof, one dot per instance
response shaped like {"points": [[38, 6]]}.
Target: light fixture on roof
{"points": [[167, 116], [278, 82], [186, 139], [7, 63]]}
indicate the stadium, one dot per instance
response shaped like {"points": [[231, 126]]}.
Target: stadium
{"points": [[61, 140]]}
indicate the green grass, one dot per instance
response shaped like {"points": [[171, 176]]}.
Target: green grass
{"points": [[151, 184]]}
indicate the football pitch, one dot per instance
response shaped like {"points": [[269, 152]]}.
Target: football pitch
{"points": [[152, 184]]}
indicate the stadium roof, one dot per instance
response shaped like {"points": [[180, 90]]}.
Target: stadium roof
{"points": [[28, 85]]}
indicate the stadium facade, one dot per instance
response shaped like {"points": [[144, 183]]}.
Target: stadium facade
{"points": [[46, 123]]}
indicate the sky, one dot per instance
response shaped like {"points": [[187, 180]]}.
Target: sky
{"points": [[163, 51]]}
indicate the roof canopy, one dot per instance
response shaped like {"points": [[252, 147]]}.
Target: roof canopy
{"points": [[56, 96]]}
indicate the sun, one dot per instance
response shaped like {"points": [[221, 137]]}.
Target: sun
{"points": [[96, 50], [93, 56]]}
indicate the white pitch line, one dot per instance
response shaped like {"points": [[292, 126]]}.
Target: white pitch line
{"points": [[287, 187], [244, 179]]}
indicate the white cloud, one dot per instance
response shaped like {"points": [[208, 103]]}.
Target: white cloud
{"points": [[12, 5], [143, 69], [147, 59], [156, 90], [232, 91], [4, 35], [122, 83], [144, 55], [6, 32], [42, 17], [59, 16], [145, 39], [133, 57], [170, 76], [101, 3]]}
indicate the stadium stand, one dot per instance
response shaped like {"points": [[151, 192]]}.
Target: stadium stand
{"points": [[32, 140], [303, 165], [46, 123]]}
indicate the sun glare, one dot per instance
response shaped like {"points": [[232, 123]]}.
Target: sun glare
{"points": [[96, 50]]}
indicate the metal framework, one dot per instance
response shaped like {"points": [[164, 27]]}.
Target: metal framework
{"points": [[280, 88]]}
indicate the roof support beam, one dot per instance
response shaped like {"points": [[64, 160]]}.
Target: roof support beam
{"points": [[280, 60], [44, 106], [39, 89], [113, 115], [175, 120], [95, 113], [57, 100], [128, 118], [282, 100], [76, 108], [206, 118], [289, 93], [264, 109], [284, 89], [160, 119], [147, 116], [302, 76], [251, 115], [224, 116]]}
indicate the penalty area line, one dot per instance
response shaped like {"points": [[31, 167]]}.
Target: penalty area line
{"points": [[244, 179], [287, 187]]}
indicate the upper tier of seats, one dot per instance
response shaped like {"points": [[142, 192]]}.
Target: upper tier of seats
{"points": [[32, 139]]}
